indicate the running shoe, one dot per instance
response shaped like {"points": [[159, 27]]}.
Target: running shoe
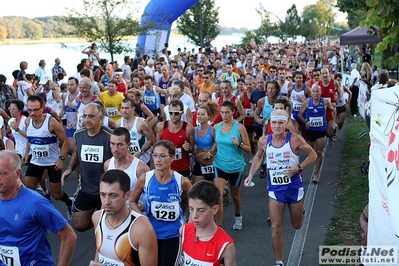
{"points": [[70, 209], [279, 264], [334, 138], [238, 223], [315, 178], [268, 219], [226, 198]]}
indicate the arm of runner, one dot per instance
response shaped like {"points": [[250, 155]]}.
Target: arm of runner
{"points": [[258, 111], [73, 163], [256, 161], [240, 109], [144, 239], [302, 111], [138, 190], [229, 255], [299, 143], [68, 240], [57, 128]]}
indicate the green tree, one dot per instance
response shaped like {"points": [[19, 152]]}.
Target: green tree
{"points": [[293, 21], [3, 33], [189, 23], [382, 18], [267, 27], [356, 10], [101, 21], [321, 16], [32, 30]]}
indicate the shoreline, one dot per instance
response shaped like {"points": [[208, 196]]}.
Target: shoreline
{"points": [[26, 41]]}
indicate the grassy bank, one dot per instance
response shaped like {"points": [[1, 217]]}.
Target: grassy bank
{"points": [[353, 194]]}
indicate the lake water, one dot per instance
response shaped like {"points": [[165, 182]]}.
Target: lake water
{"points": [[12, 55]]}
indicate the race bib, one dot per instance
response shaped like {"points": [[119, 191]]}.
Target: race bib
{"points": [[112, 111], [316, 121], [296, 106], [248, 112], [92, 154], [10, 256], [149, 100], [178, 153], [107, 261], [207, 169], [40, 151], [165, 211], [277, 177], [134, 147]]}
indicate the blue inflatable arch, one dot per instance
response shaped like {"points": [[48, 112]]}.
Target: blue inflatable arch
{"points": [[160, 14]]}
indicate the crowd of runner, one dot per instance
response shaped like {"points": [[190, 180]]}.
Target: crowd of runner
{"points": [[195, 113]]}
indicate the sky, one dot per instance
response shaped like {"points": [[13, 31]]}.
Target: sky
{"points": [[246, 17]]}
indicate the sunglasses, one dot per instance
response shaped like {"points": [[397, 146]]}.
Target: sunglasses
{"points": [[175, 112]]}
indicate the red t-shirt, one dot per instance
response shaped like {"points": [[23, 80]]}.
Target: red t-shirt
{"points": [[328, 93], [201, 252], [182, 160]]}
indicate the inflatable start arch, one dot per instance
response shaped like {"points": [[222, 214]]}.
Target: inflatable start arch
{"points": [[160, 14]]}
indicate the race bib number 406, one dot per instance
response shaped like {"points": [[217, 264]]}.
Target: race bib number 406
{"points": [[92, 154]]}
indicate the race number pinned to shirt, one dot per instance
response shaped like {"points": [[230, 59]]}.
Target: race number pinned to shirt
{"points": [[248, 112], [134, 147], [179, 154], [296, 106], [92, 154], [108, 261], [40, 151], [112, 111], [10, 256], [316, 121], [207, 169], [277, 177], [165, 211], [150, 100]]}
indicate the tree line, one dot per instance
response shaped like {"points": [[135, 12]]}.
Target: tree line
{"points": [[35, 29]]}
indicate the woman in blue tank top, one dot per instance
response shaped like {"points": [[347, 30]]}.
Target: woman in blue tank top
{"points": [[231, 139], [204, 140]]}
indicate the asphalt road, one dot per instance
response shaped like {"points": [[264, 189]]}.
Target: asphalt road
{"points": [[253, 242]]}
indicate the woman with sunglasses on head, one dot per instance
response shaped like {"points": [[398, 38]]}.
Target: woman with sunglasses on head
{"points": [[165, 197], [204, 139]]}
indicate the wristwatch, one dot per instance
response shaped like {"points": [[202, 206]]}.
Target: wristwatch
{"points": [[61, 158], [241, 144]]}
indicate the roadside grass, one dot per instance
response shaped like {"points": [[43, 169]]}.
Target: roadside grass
{"points": [[353, 192]]}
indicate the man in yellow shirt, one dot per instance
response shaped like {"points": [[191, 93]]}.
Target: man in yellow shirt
{"points": [[112, 100]]}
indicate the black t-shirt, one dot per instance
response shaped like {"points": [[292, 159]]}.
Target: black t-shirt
{"points": [[366, 58]]}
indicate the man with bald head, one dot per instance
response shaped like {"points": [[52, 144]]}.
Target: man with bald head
{"points": [[285, 186], [314, 109], [175, 93], [84, 98], [92, 149], [109, 75]]}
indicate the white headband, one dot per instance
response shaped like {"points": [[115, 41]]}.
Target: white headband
{"points": [[278, 117], [118, 73]]}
